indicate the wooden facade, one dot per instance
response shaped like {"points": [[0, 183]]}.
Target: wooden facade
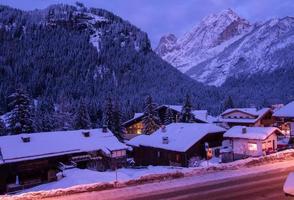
{"points": [[144, 155]]}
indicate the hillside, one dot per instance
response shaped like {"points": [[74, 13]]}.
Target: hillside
{"points": [[66, 53]]}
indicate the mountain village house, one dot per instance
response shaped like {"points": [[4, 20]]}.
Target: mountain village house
{"points": [[135, 125], [31, 159], [246, 117], [284, 118], [242, 142], [176, 144]]}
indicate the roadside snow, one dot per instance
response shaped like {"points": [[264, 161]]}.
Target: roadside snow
{"points": [[289, 184], [75, 176]]}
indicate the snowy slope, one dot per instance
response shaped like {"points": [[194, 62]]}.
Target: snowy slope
{"points": [[225, 45]]}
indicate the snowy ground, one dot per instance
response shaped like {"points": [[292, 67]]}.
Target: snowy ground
{"points": [[77, 180]]}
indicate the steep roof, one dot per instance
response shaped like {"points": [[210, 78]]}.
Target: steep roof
{"points": [[286, 111], [50, 144], [257, 133], [181, 136]]}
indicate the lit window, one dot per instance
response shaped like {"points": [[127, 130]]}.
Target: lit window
{"points": [[252, 146], [139, 131]]}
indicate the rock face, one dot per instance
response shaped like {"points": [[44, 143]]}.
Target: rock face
{"points": [[225, 45]]}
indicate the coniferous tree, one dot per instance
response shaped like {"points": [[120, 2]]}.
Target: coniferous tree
{"points": [[150, 120], [168, 116], [21, 118], [228, 103], [108, 114], [116, 125], [186, 114], [82, 118], [2, 128], [45, 117]]}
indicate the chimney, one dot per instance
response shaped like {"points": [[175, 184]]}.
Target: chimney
{"points": [[104, 129], [86, 133], [163, 128], [165, 140], [26, 139], [244, 130]]}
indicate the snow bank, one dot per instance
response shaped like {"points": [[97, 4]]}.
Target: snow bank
{"points": [[289, 184], [129, 177]]}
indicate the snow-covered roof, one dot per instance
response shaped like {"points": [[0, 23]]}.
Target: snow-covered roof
{"points": [[181, 136], [286, 111], [255, 133], [252, 111], [50, 144], [177, 108]]}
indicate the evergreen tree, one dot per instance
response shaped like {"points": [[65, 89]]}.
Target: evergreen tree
{"points": [[2, 128], [82, 118], [108, 114], [150, 120], [186, 114], [168, 116], [45, 117], [116, 125], [21, 118], [228, 103]]}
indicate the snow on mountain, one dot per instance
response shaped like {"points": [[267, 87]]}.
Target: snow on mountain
{"points": [[225, 45], [204, 41]]}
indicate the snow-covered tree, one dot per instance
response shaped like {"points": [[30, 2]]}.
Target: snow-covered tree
{"points": [[186, 114], [45, 116], [21, 118], [116, 125], [2, 127], [150, 120], [82, 118], [228, 103], [168, 116], [108, 114]]}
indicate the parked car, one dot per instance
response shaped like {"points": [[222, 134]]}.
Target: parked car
{"points": [[289, 185]]}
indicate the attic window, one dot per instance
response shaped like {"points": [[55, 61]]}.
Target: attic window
{"points": [[26, 139]]}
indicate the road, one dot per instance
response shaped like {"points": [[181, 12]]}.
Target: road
{"points": [[266, 185]]}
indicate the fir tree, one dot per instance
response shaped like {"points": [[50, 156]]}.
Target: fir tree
{"points": [[168, 116], [116, 125], [45, 117], [186, 114], [82, 118], [150, 120], [2, 128], [21, 118], [228, 103], [108, 114]]}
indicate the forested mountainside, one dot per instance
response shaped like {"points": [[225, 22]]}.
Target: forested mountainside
{"points": [[64, 54], [225, 45]]}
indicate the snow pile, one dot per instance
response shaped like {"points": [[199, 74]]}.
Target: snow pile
{"points": [[289, 184]]}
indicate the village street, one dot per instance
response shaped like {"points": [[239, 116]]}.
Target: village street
{"points": [[261, 182]]}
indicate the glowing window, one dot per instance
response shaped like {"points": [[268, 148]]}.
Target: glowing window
{"points": [[252, 146]]}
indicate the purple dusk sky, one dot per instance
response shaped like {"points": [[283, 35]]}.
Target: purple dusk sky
{"points": [[159, 17]]}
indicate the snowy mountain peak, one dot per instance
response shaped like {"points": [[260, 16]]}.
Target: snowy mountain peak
{"points": [[202, 41], [223, 45], [166, 44]]}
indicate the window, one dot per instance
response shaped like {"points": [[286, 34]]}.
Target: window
{"points": [[178, 157], [252, 146], [119, 153], [158, 154]]}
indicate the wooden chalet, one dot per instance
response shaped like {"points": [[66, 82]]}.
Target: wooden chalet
{"points": [[176, 144], [242, 142], [246, 117], [134, 126], [284, 118], [27, 160]]}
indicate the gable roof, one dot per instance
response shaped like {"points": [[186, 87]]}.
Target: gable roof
{"points": [[257, 113], [49, 144], [286, 111], [256, 133], [181, 136]]}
